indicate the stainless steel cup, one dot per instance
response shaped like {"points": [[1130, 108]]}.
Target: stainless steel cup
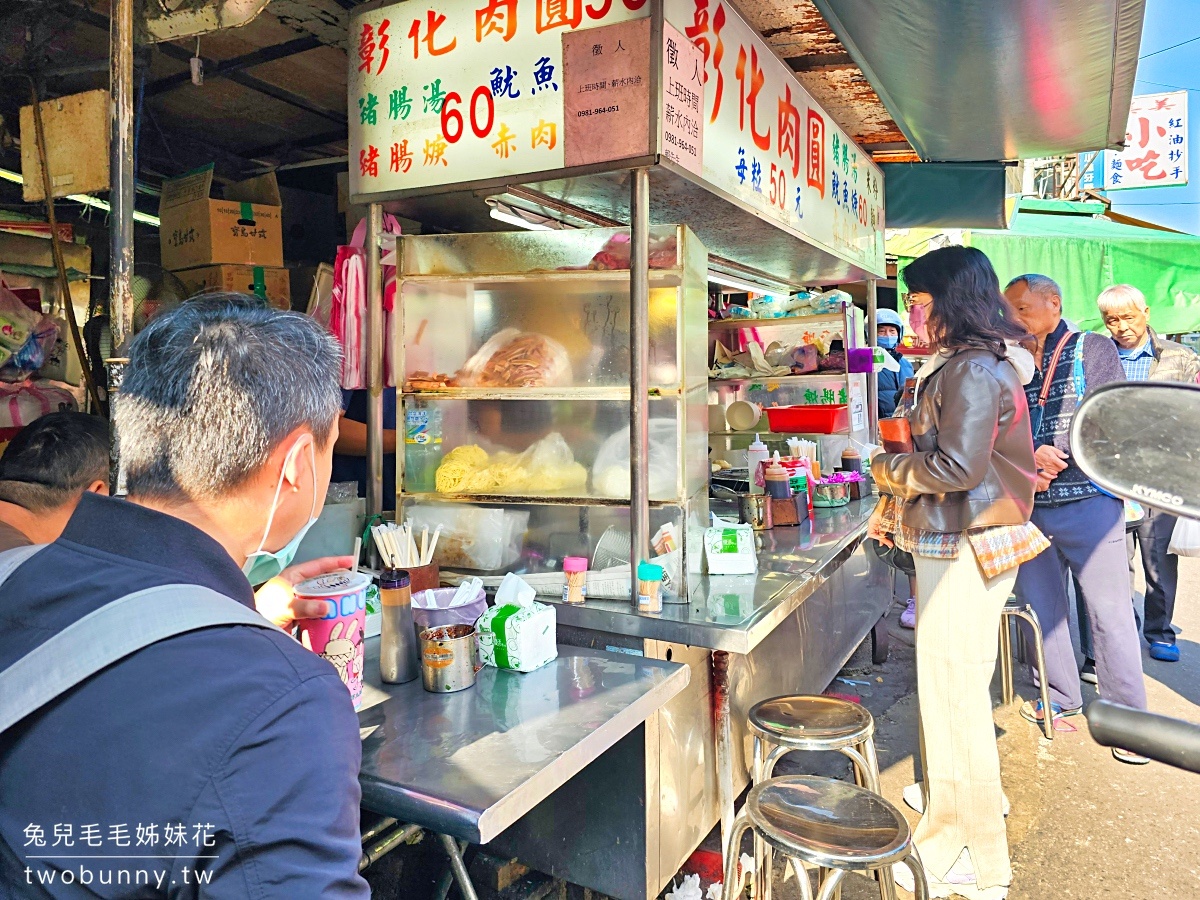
{"points": [[755, 510], [447, 658]]}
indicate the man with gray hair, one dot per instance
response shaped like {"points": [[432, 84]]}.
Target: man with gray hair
{"points": [[1145, 356], [226, 757], [1086, 527]]}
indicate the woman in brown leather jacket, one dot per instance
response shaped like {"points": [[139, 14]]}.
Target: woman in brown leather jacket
{"points": [[960, 503]]}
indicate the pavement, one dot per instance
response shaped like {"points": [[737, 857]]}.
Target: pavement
{"points": [[1082, 824]]}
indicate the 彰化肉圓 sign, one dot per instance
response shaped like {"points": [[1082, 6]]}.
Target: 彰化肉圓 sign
{"points": [[768, 143], [462, 91]]}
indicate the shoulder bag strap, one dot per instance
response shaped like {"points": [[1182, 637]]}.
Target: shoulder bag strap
{"points": [[1048, 375], [109, 634]]}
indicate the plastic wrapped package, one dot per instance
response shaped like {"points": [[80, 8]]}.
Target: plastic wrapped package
{"points": [[616, 252], [547, 467], [473, 537], [610, 473], [513, 358]]}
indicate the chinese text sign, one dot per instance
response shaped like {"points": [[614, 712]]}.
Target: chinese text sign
{"points": [[1155, 153], [770, 145]]}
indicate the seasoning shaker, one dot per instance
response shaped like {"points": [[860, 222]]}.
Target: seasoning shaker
{"points": [[575, 588], [649, 591], [399, 660]]}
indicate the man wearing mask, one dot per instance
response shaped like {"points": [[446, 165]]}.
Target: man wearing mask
{"points": [[1145, 356], [1086, 527], [234, 736], [44, 471]]}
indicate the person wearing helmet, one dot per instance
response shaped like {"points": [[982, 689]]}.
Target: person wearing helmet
{"points": [[891, 384]]}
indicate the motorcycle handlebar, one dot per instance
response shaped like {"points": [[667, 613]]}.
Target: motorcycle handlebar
{"points": [[1171, 741]]}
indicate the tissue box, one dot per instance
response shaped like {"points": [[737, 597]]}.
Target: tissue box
{"points": [[519, 635], [729, 549]]}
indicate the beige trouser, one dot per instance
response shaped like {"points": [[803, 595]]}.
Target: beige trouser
{"points": [[958, 621]]}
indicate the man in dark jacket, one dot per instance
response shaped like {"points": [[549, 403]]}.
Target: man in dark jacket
{"points": [[1147, 357], [1086, 528], [223, 762]]}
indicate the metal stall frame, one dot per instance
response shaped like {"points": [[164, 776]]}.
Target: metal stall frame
{"points": [[632, 191]]}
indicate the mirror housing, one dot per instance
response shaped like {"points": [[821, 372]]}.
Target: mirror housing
{"points": [[1142, 441]]}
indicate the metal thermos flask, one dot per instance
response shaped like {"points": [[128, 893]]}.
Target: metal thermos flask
{"points": [[399, 658]]}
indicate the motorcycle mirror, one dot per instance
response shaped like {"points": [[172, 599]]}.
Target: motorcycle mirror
{"points": [[1142, 441]]}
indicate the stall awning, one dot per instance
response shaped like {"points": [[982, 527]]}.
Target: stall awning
{"points": [[944, 195], [1084, 254], [996, 79]]}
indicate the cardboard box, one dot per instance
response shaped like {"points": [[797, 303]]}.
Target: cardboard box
{"points": [[272, 284], [77, 134], [244, 228]]}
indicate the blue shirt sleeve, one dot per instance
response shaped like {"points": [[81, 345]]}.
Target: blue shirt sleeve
{"points": [[289, 787]]}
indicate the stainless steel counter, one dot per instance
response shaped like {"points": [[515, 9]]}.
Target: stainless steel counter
{"points": [[471, 763], [737, 612]]}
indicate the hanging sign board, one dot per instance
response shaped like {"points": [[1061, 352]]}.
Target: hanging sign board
{"points": [[462, 90], [1155, 153], [770, 145]]}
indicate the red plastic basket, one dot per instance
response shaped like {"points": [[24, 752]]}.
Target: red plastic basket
{"points": [[821, 418]]}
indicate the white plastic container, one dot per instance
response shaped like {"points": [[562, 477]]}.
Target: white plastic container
{"points": [[756, 453]]}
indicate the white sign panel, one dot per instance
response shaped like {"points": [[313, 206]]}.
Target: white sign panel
{"points": [[683, 101], [769, 144], [1155, 153], [462, 90]]}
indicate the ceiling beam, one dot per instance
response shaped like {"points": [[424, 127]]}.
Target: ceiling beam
{"points": [[821, 62], [273, 151], [222, 68], [263, 87]]}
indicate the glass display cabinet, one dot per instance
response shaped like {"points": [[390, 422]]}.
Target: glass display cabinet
{"points": [[515, 354]]}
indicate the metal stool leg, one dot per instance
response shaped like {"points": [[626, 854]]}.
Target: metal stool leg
{"points": [[1039, 650], [831, 884], [762, 850], [733, 877], [865, 774], [920, 885], [1006, 661], [458, 867], [801, 874]]}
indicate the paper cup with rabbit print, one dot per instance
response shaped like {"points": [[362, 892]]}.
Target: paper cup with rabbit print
{"points": [[339, 635]]}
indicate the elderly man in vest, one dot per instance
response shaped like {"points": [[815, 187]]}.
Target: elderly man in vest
{"points": [[1146, 356]]}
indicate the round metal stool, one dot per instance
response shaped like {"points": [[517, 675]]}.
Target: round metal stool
{"points": [[810, 722], [1009, 613], [835, 826], [813, 722]]}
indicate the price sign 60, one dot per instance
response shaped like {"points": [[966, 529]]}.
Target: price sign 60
{"points": [[482, 112]]}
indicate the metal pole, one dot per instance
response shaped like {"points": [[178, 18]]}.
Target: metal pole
{"points": [[375, 338], [639, 366], [872, 376], [120, 229], [120, 220]]}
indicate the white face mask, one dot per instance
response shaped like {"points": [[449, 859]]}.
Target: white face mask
{"points": [[263, 565]]}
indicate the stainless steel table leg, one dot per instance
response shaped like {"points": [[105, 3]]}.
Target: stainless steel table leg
{"points": [[458, 867], [447, 879], [723, 730]]}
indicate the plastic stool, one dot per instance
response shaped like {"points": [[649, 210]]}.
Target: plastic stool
{"points": [[832, 825], [1007, 614], [809, 722]]}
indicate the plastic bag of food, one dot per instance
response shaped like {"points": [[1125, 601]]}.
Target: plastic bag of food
{"points": [[547, 467], [28, 359], [512, 358], [616, 252], [17, 321], [473, 537], [610, 473]]}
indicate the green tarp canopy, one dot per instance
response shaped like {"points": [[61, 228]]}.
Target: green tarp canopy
{"points": [[1085, 253]]}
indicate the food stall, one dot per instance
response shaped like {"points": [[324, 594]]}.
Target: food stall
{"points": [[557, 377]]}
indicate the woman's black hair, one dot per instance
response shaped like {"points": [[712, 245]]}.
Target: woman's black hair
{"points": [[968, 309]]}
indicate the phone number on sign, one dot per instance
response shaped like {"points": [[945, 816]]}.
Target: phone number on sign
{"points": [[598, 111], [687, 148]]}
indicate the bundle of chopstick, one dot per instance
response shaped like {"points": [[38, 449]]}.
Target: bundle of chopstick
{"points": [[399, 547]]}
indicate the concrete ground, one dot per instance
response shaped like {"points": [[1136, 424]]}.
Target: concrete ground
{"points": [[1082, 824]]}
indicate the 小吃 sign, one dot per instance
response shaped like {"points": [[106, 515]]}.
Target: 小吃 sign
{"points": [[1155, 153]]}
